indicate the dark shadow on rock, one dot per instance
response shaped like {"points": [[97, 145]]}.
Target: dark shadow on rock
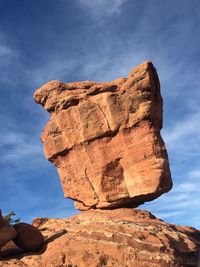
{"points": [[12, 251], [55, 236]]}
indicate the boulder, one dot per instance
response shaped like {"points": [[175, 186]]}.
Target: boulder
{"points": [[104, 139], [7, 233], [29, 238]]}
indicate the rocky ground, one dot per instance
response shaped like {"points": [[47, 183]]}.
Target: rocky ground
{"points": [[118, 238]]}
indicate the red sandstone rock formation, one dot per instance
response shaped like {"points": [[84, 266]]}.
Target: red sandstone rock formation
{"points": [[104, 139], [117, 238]]}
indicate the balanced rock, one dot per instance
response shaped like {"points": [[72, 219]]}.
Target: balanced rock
{"points": [[104, 139], [29, 238]]}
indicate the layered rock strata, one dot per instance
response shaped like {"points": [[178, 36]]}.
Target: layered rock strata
{"points": [[117, 238], [104, 139]]}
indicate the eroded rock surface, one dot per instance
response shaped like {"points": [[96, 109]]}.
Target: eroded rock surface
{"points": [[118, 238], [104, 139]]}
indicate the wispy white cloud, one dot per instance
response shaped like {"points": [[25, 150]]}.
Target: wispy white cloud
{"points": [[110, 67], [16, 145], [187, 127], [186, 187], [8, 56], [194, 174], [166, 215], [6, 51], [103, 8], [181, 202], [54, 69]]}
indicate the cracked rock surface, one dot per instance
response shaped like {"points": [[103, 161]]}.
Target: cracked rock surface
{"points": [[104, 139]]}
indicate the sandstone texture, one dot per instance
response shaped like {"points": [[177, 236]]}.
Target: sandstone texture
{"points": [[118, 238], [104, 139]]}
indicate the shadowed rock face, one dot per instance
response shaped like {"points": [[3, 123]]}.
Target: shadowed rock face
{"points": [[104, 139], [7, 232]]}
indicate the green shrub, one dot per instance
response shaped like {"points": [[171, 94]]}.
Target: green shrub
{"points": [[9, 218]]}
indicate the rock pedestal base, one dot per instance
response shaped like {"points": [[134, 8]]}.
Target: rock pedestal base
{"points": [[117, 238]]}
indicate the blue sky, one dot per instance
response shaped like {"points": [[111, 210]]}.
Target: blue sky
{"points": [[72, 40]]}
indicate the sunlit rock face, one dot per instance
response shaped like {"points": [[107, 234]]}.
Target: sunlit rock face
{"points": [[104, 139], [113, 238]]}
